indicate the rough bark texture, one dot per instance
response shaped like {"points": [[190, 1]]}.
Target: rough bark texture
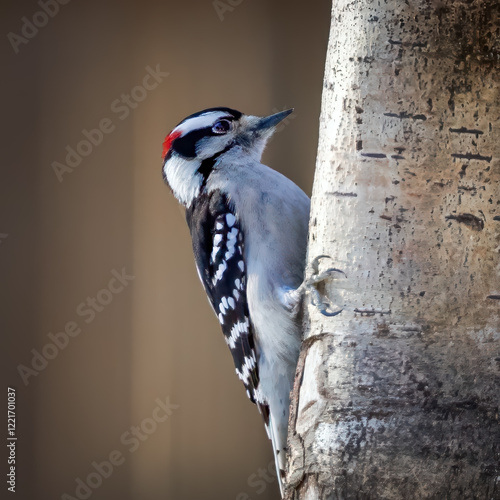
{"points": [[398, 396]]}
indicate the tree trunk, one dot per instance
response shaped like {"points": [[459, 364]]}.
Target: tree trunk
{"points": [[397, 397]]}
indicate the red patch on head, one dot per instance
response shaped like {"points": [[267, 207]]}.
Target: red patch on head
{"points": [[167, 143]]}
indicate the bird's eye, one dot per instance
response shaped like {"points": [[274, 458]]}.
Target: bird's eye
{"points": [[221, 127]]}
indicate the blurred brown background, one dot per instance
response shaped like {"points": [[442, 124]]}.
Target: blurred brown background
{"points": [[61, 240]]}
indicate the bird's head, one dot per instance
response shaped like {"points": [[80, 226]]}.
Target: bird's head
{"points": [[194, 148]]}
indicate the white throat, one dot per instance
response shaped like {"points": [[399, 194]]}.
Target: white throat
{"points": [[183, 178]]}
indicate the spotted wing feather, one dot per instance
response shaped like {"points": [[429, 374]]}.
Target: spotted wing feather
{"points": [[218, 243]]}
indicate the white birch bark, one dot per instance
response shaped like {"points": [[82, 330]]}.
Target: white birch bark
{"points": [[398, 396]]}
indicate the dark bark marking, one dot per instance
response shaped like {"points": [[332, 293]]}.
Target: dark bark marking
{"points": [[405, 115], [338, 193], [374, 155], [386, 217], [471, 156], [470, 220], [464, 130], [494, 297]]}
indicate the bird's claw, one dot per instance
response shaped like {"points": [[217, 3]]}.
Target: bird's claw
{"points": [[316, 277]]}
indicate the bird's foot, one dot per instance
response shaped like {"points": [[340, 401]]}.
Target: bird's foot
{"points": [[314, 277], [293, 298]]}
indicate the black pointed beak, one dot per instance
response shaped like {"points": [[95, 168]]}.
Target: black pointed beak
{"points": [[271, 121]]}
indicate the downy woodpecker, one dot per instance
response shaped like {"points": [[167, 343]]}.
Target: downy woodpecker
{"points": [[249, 227]]}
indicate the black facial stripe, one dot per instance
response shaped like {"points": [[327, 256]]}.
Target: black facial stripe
{"points": [[186, 145], [207, 165]]}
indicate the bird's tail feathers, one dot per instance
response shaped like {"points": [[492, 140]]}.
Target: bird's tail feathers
{"points": [[279, 448]]}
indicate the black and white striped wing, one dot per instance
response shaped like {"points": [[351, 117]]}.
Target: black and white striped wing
{"points": [[218, 243]]}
